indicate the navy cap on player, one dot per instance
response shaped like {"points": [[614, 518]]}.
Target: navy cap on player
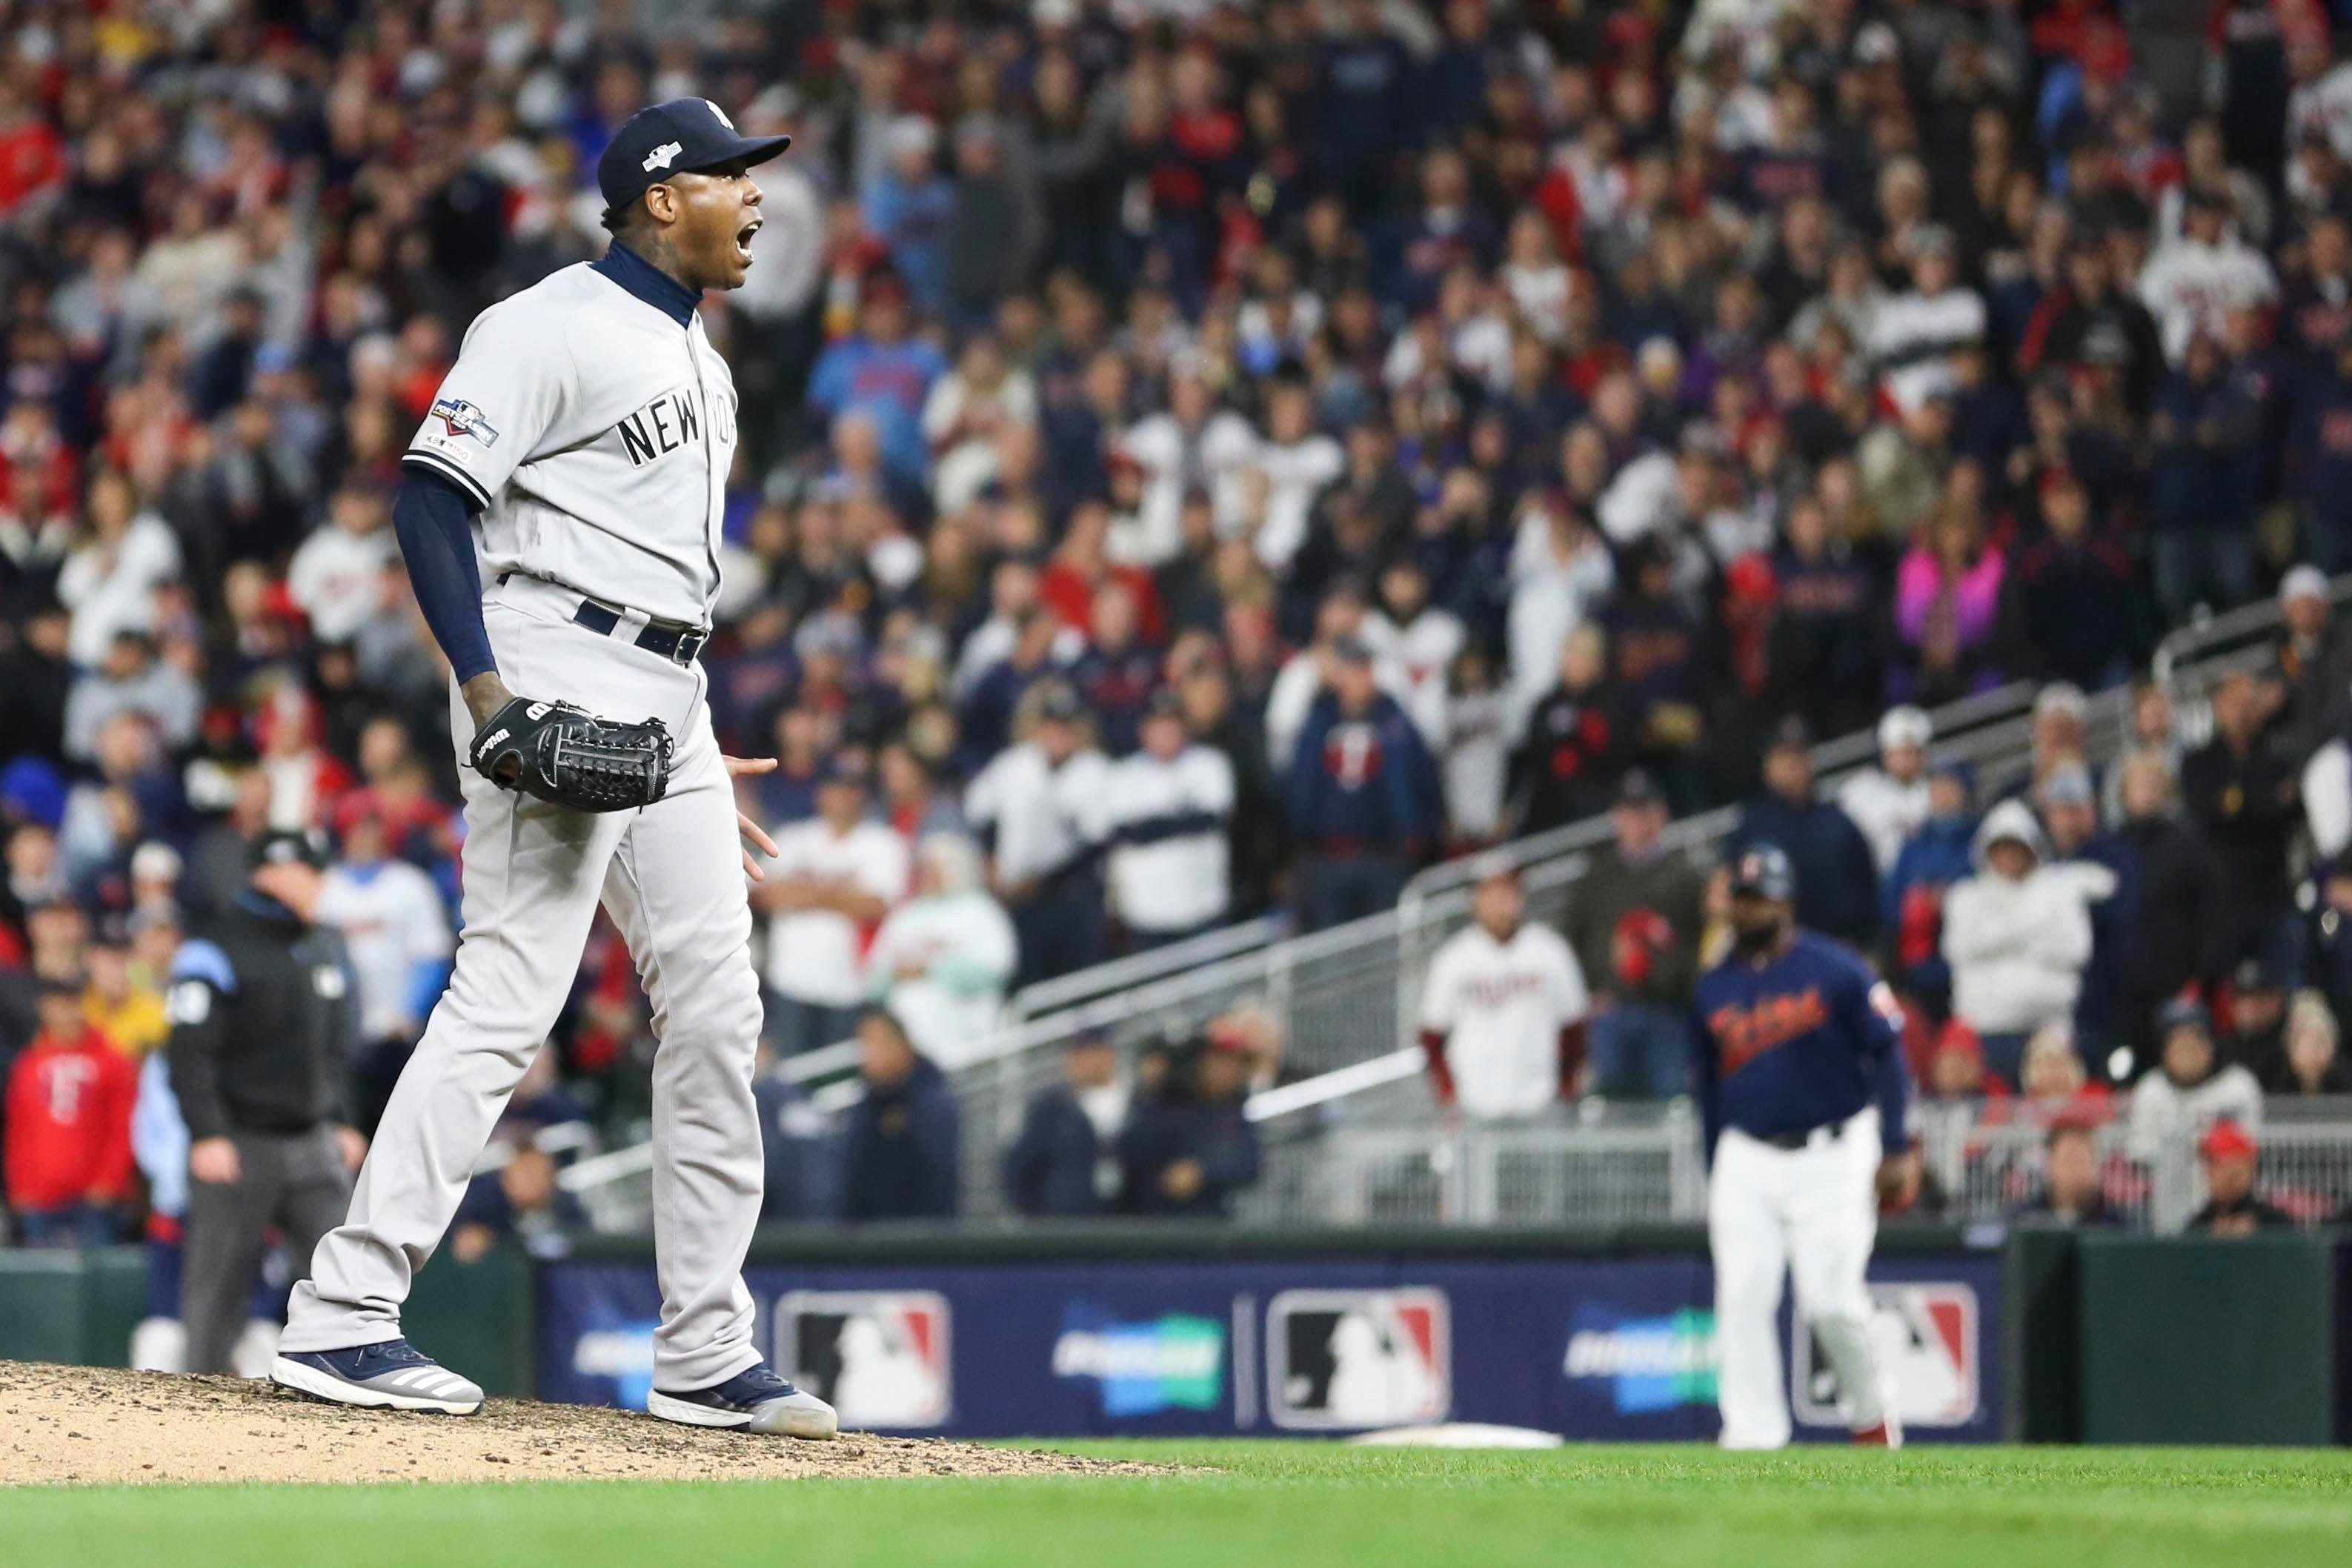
{"points": [[673, 138], [1766, 872]]}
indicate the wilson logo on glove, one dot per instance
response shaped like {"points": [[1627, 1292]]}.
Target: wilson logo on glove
{"points": [[570, 757]]}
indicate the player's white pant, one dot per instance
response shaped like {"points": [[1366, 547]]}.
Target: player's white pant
{"points": [[672, 877], [1810, 1214]]}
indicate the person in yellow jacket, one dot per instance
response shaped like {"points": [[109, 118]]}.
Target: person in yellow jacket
{"points": [[122, 998]]}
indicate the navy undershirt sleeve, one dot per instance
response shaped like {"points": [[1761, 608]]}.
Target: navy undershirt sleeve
{"points": [[434, 518]]}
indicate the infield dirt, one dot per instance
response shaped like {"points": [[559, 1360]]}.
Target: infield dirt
{"points": [[60, 1423]]}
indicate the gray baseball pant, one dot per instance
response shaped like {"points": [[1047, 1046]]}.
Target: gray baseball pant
{"points": [[671, 877]]}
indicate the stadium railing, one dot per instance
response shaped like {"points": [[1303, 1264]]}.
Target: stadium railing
{"points": [[1343, 1001]]}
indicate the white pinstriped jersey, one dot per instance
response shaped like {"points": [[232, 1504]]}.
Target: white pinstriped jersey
{"points": [[597, 433]]}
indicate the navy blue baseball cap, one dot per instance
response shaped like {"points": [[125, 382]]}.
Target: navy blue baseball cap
{"points": [[1766, 872], [673, 138]]}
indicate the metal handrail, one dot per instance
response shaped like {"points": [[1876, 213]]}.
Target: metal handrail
{"points": [[1121, 973]]}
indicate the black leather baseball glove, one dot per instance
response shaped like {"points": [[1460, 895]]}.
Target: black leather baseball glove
{"points": [[568, 755]]}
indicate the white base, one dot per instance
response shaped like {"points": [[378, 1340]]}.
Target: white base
{"points": [[311, 1380]]}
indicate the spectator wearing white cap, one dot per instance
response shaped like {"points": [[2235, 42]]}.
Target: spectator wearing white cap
{"points": [[2315, 662], [1889, 802], [2061, 716]]}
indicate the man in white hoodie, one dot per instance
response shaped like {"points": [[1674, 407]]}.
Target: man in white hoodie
{"points": [[2018, 937]]}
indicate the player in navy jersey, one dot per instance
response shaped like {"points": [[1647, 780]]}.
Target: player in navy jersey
{"points": [[1802, 1086]]}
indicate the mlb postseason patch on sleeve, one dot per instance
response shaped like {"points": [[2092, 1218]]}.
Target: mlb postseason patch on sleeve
{"points": [[459, 417]]}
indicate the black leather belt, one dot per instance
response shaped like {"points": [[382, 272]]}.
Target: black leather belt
{"points": [[673, 640], [1794, 1140]]}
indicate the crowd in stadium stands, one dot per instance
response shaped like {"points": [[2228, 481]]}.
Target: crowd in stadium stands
{"points": [[1203, 459]]}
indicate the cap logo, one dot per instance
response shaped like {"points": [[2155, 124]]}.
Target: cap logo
{"points": [[719, 114], [662, 156]]}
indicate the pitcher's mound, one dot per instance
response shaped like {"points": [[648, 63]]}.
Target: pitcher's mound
{"points": [[100, 1424]]}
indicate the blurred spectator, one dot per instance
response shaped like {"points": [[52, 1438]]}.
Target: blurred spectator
{"points": [[35, 679], [2309, 1063], [1167, 811], [1940, 854], [2231, 1207], [834, 878], [882, 373], [1187, 1148], [1574, 744], [1363, 796], [2206, 270], [337, 577], [2017, 935], [1955, 1074], [1475, 750], [398, 931], [2076, 614], [125, 999], [130, 679], [2053, 1086], [1636, 923], [2181, 925], [2243, 795], [518, 1204], [2314, 664], [942, 961], [2174, 1105], [2072, 1191], [1948, 598], [2205, 485], [1889, 802], [68, 1126], [1837, 880], [899, 1153], [1503, 1010], [109, 579], [1037, 808], [2106, 875], [1062, 1166], [2256, 1038]]}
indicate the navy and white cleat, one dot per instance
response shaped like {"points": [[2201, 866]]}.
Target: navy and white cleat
{"points": [[756, 1399], [392, 1375]]}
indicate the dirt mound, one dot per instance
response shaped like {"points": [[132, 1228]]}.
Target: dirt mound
{"points": [[99, 1424]]}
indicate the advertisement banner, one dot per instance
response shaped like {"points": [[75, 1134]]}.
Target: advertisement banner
{"points": [[1593, 1348]]}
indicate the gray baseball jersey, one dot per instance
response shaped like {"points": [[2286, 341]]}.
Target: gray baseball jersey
{"points": [[597, 433]]}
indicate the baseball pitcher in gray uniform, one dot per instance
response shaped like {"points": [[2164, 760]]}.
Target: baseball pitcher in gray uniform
{"points": [[559, 513]]}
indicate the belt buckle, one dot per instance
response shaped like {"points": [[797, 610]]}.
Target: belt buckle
{"points": [[689, 646]]}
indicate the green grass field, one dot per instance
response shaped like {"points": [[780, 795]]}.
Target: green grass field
{"points": [[1295, 1505]]}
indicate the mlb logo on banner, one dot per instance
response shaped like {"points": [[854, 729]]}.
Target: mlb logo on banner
{"points": [[1924, 1337], [1345, 1359], [879, 1357]]}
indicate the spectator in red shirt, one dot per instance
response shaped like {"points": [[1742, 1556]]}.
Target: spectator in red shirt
{"points": [[69, 1146], [31, 159]]}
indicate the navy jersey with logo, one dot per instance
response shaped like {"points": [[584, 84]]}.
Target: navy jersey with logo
{"points": [[1807, 1037]]}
